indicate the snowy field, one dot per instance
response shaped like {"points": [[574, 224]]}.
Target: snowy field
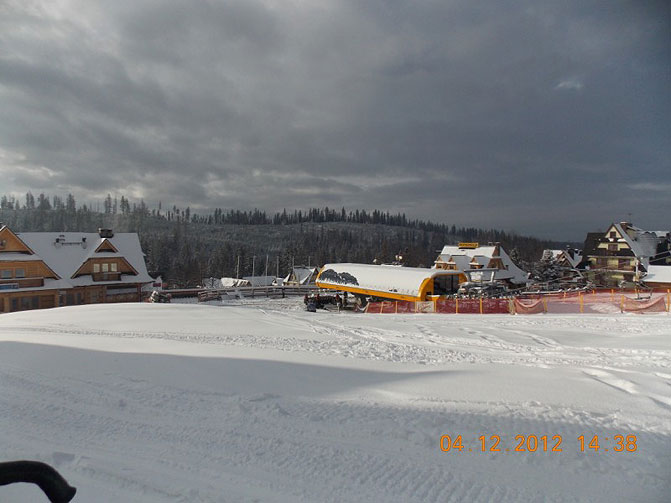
{"points": [[263, 402]]}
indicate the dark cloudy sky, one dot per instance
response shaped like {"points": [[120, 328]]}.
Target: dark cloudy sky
{"points": [[542, 116]]}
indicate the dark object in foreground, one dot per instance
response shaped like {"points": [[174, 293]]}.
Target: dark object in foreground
{"points": [[34, 472], [158, 297], [314, 302]]}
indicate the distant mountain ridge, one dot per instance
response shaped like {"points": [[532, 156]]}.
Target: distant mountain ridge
{"points": [[185, 247]]}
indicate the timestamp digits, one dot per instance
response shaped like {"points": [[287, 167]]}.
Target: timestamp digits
{"points": [[539, 443]]}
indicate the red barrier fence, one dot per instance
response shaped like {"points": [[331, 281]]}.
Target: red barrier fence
{"points": [[594, 302]]}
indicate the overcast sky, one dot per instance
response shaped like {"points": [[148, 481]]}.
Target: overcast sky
{"points": [[544, 117]]}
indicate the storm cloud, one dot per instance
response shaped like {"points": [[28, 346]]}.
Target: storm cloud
{"points": [[543, 117]]}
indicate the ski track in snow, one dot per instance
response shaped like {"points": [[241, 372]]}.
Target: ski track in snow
{"points": [[154, 427]]}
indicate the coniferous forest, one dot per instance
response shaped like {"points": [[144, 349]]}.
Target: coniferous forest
{"points": [[184, 246]]}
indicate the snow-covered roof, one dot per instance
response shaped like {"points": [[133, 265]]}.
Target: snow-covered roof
{"points": [[658, 274], [379, 278], [643, 244], [260, 280], [302, 274], [17, 256], [72, 249], [230, 282], [573, 260], [483, 254]]}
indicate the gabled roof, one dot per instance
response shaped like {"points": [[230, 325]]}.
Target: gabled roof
{"points": [[642, 243], [6, 233], [106, 246], [260, 280], [302, 274], [483, 254], [65, 253]]}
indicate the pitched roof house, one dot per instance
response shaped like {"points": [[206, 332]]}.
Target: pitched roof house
{"points": [[301, 275], [570, 257], [472, 256], [50, 269], [624, 253]]}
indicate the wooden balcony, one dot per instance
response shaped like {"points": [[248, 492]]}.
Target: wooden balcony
{"points": [[106, 276], [24, 282]]}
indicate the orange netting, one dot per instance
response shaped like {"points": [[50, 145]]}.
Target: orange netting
{"points": [[595, 302], [652, 305], [529, 306]]}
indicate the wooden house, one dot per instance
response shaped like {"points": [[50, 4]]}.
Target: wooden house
{"points": [[623, 254], [50, 269], [467, 256]]}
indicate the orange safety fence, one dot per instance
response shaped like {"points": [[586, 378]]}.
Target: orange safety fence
{"points": [[424, 307], [496, 306], [593, 302], [446, 306], [404, 306], [652, 305], [529, 306]]}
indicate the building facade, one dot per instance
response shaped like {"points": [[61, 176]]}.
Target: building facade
{"points": [[40, 270], [623, 254], [468, 256]]}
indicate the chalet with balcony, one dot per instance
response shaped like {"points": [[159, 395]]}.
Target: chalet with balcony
{"points": [[48, 269], [468, 256], [623, 254]]}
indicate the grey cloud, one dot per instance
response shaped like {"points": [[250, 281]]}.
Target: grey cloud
{"points": [[497, 114]]}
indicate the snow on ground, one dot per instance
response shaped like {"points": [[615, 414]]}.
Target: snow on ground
{"points": [[258, 400]]}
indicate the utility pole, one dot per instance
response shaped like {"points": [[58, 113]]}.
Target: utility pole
{"points": [[237, 269], [253, 266], [266, 274]]}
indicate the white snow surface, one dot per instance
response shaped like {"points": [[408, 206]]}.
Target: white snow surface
{"points": [[260, 401]]}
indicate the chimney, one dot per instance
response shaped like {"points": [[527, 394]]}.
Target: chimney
{"points": [[84, 242], [106, 233]]}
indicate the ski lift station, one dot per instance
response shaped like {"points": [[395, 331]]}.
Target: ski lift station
{"points": [[389, 281]]}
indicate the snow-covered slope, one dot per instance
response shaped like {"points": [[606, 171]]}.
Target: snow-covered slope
{"points": [[265, 402]]}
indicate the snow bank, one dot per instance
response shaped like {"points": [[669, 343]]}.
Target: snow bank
{"points": [[265, 402]]}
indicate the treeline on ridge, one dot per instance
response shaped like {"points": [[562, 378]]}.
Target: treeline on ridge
{"points": [[184, 246]]}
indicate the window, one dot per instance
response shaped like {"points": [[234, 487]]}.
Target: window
{"points": [[19, 273], [6, 274], [96, 268], [612, 247], [113, 267], [105, 267], [613, 234]]}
